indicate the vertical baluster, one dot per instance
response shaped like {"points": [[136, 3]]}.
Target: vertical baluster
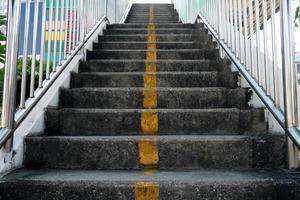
{"points": [[78, 20], [240, 31], [258, 48], [231, 25], [227, 22], [245, 17], [224, 20], [49, 39], [41, 68], [252, 61], [289, 78], [66, 43], [10, 77], [74, 23], [25, 54], [274, 55], [71, 17], [55, 34], [34, 39], [235, 27], [266, 46], [61, 22]]}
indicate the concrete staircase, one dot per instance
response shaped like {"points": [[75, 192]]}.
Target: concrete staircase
{"points": [[154, 113]]}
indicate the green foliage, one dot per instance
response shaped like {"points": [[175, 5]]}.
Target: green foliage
{"points": [[28, 72], [1, 85], [297, 17], [2, 39], [2, 55]]}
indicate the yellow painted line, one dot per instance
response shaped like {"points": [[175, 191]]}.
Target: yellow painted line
{"points": [[150, 98], [149, 121], [150, 80], [148, 153], [148, 150], [151, 66], [149, 115], [146, 191]]}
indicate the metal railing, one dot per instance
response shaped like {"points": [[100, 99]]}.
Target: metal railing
{"points": [[257, 36], [41, 43]]}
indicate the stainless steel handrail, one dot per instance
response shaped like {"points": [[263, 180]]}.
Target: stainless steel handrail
{"points": [[66, 29], [246, 31]]}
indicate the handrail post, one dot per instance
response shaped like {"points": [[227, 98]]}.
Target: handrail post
{"points": [[10, 78], [220, 12], [289, 78], [82, 27], [106, 9]]}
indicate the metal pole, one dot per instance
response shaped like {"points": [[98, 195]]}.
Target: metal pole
{"points": [[106, 9], [50, 19], [33, 63], [55, 35], [60, 53], [258, 56], [10, 78], [289, 78], [266, 47], [41, 69], [25, 53], [252, 61]]}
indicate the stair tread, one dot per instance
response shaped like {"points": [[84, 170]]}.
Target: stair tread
{"points": [[178, 137], [142, 73], [186, 176], [158, 61]]}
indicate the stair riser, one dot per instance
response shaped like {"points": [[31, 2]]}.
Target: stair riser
{"points": [[144, 38], [143, 45], [145, 25], [140, 66], [145, 31], [182, 55], [123, 122], [158, 16], [133, 98], [155, 21], [146, 16], [157, 11], [163, 80], [175, 153], [91, 190]]}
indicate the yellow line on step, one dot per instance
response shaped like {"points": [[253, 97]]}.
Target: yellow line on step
{"points": [[149, 116], [148, 150], [146, 191]]}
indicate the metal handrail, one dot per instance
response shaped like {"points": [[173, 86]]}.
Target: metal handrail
{"points": [[68, 27], [245, 30]]}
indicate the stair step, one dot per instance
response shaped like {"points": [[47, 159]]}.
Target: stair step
{"points": [[145, 25], [159, 37], [155, 20], [140, 66], [164, 79], [183, 54], [159, 45], [145, 31], [74, 121], [156, 16], [166, 98], [171, 185], [175, 152]]}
